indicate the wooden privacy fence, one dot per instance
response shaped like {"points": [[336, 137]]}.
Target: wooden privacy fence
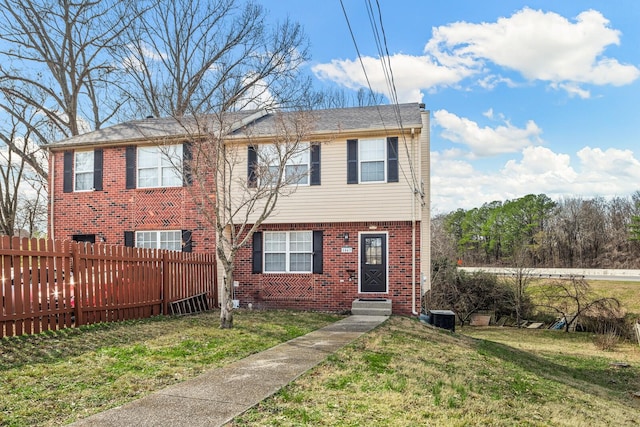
{"points": [[50, 285]]}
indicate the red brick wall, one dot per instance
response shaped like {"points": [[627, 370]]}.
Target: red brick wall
{"points": [[111, 212], [333, 290]]}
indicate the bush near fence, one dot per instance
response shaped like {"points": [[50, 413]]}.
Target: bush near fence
{"points": [[51, 284]]}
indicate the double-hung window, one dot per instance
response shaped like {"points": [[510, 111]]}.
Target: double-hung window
{"points": [[288, 252], [296, 168], [83, 170], [160, 166], [372, 157], [171, 240], [372, 160]]}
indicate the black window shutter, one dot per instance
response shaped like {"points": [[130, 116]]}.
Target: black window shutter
{"points": [[130, 158], [186, 241], [256, 265], [315, 164], [129, 239], [392, 159], [252, 161], [187, 157], [317, 251], [67, 185], [97, 169], [352, 161]]}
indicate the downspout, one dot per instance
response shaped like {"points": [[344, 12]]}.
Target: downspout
{"points": [[52, 197], [413, 230]]}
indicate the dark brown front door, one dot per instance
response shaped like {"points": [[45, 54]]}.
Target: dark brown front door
{"points": [[373, 263]]}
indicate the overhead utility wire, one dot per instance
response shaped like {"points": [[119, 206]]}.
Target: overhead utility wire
{"points": [[415, 186], [385, 59], [355, 44], [364, 70]]}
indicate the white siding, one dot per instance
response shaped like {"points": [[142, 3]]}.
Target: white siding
{"points": [[336, 201]]}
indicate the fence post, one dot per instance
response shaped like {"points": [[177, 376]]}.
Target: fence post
{"points": [[165, 283], [74, 254]]}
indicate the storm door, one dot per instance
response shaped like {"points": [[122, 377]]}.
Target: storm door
{"points": [[373, 263]]}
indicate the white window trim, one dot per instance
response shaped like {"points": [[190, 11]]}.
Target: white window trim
{"points": [[158, 239], [76, 171], [160, 154], [364, 233], [360, 161], [287, 252]]}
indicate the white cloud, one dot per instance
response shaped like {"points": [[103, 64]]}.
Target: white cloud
{"points": [[542, 166], [411, 73], [258, 95], [540, 46], [486, 141], [610, 164], [139, 52]]}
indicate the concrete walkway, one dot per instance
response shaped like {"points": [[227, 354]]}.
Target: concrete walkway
{"points": [[217, 396]]}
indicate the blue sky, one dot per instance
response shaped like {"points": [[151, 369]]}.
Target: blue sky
{"points": [[525, 97]]}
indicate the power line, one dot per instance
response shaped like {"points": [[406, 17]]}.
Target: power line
{"points": [[388, 73], [385, 59]]}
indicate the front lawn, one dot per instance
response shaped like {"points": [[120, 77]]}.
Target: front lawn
{"points": [[57, 377], [407, 374]]}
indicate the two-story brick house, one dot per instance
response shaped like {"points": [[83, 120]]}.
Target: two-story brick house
{"points": [[357, 226]]}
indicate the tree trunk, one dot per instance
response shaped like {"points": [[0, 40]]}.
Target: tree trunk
{"points": [[226, 309]]}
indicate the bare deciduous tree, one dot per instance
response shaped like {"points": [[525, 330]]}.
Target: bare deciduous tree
{"points": [[16, 175], [187, 57], [519, 280], [32, 210], [233, 202], [573, 298], [206, 64], [55, 59]]}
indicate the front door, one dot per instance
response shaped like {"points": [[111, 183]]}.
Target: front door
{"points": [[373, 263]]}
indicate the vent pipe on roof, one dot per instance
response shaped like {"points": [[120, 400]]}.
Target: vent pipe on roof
{"points": [[422, 106]]}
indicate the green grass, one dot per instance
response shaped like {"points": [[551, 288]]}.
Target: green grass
{"points": [[406, 374], [57, 377], [403, 373]]}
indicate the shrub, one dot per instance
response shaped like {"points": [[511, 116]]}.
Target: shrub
{"points": [[607, 341], [465, 294]]}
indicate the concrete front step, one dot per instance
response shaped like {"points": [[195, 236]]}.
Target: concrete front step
{"points": [[371, 307]]}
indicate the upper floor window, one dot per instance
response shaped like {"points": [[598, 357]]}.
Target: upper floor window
{"points": [[83, 170], [372, 160], [160, 166], [296, 168]]}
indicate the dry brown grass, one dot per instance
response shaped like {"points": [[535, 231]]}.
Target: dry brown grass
{"points": [[628, 293]]}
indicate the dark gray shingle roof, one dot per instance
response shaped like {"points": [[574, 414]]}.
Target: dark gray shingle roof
{"points": [[260, 124]]}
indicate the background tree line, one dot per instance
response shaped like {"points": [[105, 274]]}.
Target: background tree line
{"points": [[534, 231]]}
